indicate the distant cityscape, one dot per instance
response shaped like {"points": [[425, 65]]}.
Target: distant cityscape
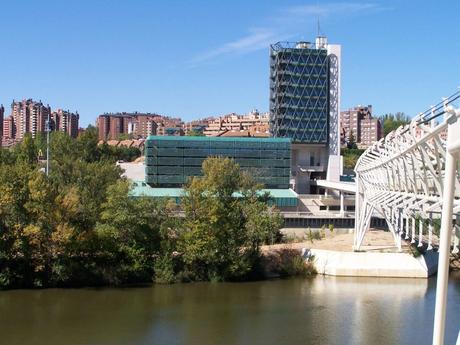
{"points": [[29, 116], [304, 108]]}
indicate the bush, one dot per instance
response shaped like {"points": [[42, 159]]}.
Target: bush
{"points": [[164, 270], [322, 232], [315, 235], [287, 263]]}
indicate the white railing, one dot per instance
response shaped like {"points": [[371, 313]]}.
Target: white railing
{"points": [[411, 178]]}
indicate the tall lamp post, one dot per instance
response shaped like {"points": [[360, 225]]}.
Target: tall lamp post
{"points": [[48, 129]]}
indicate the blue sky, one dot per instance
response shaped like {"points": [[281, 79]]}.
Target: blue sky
{"points": [[200, 58]]}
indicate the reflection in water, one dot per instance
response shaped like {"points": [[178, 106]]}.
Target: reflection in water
{"points": [[323, 310], [372, 308]]}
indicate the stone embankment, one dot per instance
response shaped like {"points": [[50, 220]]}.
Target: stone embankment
{"points": [[331, 253]]}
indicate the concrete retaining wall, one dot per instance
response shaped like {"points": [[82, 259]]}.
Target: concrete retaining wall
{"points": [[369, 264]]}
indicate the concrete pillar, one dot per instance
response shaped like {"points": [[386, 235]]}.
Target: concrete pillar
{"points": [[401, 220], [342, 208], [407, 227], [430, 232], [413, 231], [420, 232]]}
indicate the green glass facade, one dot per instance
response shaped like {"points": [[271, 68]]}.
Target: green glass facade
{"points": [[170, 161]]}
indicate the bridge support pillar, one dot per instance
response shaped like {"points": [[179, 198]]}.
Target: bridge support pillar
{"points": [[407, 227], [420, 232], [430, 232], [445, 236], [342, 202], [413, 230]]}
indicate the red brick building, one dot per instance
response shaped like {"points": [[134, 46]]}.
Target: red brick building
{"points": [[359, 121], [29, 116], [65, 121], [137, 125]]}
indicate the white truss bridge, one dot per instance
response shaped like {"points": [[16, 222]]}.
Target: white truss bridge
{"points": [[412, 179]]}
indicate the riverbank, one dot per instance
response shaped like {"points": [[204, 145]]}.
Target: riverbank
{"points": [[331, 253]]}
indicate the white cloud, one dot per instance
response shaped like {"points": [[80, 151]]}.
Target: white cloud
{"points": [[289, 19], [332, 8], [256, 39]]}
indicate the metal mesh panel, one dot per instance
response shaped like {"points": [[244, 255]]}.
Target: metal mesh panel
{"points": [[299, 85], [171, 162]]}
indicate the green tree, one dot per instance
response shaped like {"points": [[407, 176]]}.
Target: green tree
{"points": [[351, 144], [26, 151], [222, 233], [130, 229], [350, 157], [195, 133], [393, 121], [87, 145]]}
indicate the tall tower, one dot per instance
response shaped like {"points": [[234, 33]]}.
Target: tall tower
{"points": [[29, 117], [304, 106]]}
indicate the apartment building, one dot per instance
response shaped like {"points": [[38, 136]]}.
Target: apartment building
{"points": [[8, 128], [65, 121], [29, 116], [359, 123], [137, 125], [234, 124]]}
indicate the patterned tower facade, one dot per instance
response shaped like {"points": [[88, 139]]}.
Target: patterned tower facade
{"points": [[299, 92], [304, 106]]}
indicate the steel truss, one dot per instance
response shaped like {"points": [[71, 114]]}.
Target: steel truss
{"points": [[411, 178], [402, 177]]}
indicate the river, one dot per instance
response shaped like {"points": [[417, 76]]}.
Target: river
{"points": [[321, 310]]}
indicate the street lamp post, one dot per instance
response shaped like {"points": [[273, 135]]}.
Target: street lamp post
{"points": [[48, 129]]}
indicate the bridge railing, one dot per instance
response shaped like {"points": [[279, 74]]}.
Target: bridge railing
{"points": [[412, 177]]}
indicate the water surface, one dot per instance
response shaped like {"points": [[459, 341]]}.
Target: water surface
{"points": [[322, 310]]}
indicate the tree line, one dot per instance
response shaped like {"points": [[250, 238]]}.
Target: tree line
{"points": [[390, 122], [79, 226]]}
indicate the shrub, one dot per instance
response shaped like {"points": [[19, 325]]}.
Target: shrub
{"points": [[292, 264], [287, 263], [164, 270]]}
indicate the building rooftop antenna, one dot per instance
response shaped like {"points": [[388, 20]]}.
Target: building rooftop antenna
{"points": [[319, 28]]}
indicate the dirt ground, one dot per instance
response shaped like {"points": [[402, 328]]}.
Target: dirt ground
{"points": [[375, 240]]}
